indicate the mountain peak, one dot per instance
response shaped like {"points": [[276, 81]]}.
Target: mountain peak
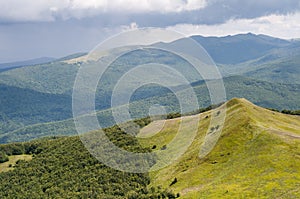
{"points": [[240, 101], [234, 49]]}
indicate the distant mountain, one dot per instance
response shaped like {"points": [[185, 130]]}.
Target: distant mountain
{"points": [[71, 57], [11, 65], [41, 94], [246, 53], [239, 48], [21, 107], [281, 65], [256, 56], [58, 107]]}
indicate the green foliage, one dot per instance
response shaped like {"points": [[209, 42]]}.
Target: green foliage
{"points": [[266, 94], [3, 157], [22, 107], [291, 112], [13, 149], [173, 115], [143, 122], [63, 168]]}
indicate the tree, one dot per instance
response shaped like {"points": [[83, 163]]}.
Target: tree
{"points": [[3, 157]]}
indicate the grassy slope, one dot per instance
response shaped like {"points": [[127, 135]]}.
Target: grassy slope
{"points": [[257, 156], [4, 167]]}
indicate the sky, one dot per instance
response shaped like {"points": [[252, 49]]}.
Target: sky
{"points": [[56, 28]]}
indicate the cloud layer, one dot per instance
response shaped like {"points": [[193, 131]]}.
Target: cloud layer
{"points": [[50, 10], [144, 12], [282, 26]]}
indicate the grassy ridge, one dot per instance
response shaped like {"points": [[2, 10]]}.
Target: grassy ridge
{"points": [[257, 156]]}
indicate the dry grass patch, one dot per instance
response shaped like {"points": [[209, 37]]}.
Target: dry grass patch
{"points": [[9, 165]]}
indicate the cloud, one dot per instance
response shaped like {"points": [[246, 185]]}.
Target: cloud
{"points": [[131, 26], [50, 10], [145, 12], [138, 6], [28, 10], [282, 26], [220, 11]]}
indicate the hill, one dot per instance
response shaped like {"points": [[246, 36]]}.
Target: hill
{"points": [[278, 65], [63, 168], [260, 51], [256, 156], [257, 56], [239, 48], [12, 65], [40, 95], [266, 94], [22, 107]]}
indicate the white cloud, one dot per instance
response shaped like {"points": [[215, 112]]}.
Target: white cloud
{"points": [[28, 10], [282, 26], [48, 10], [131, 26]]}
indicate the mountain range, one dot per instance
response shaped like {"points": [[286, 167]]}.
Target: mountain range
{"points": [[247, 146], [260, 68]]}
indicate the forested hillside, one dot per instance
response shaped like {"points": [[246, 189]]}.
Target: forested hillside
{"points": [[63, 168]]}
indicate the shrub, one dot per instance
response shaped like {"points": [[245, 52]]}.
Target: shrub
{"points": [[3, 157], [164, 147], [173, 182], [173, 115]]}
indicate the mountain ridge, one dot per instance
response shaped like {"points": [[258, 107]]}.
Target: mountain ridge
{"points": [[30, 62], [254, 141], [273, 83]]}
